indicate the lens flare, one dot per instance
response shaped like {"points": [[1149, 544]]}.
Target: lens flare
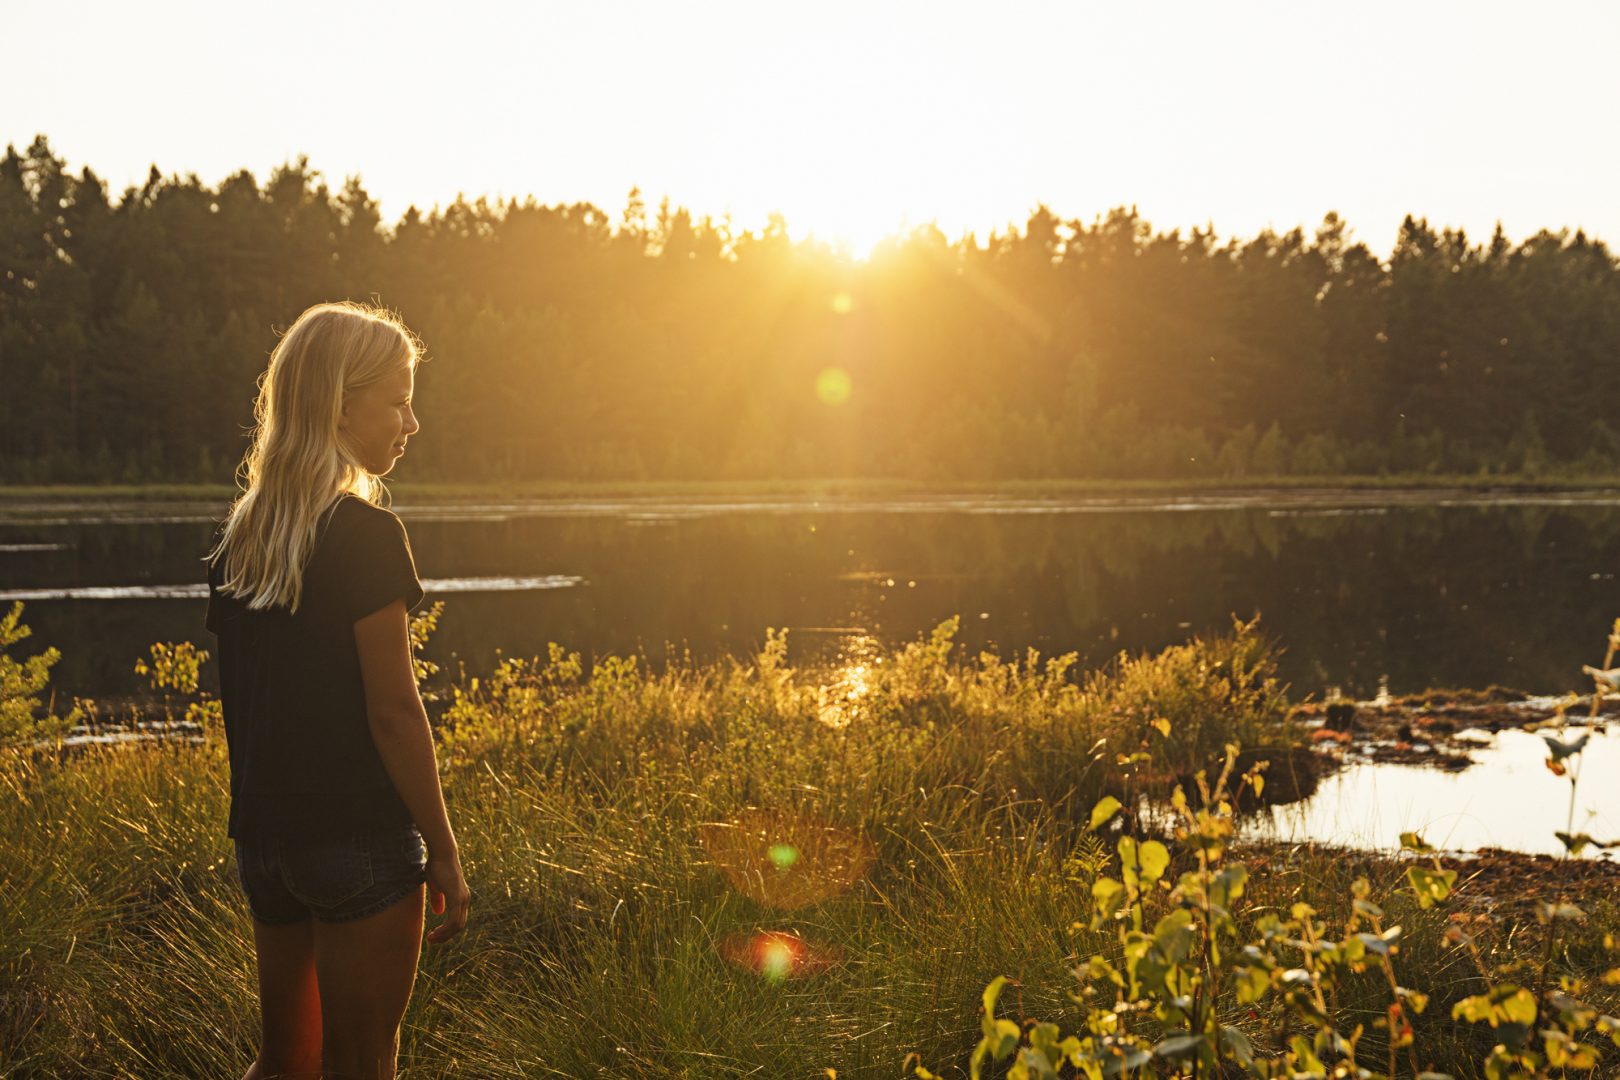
{"points": [[843, 303], [833, 386], [783, 861], [777, 955]]}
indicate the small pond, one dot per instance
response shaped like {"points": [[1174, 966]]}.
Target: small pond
{"points": [[1506, 798]]}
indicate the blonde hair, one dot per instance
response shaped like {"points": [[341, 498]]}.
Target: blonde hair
{"points": [[298, 462]]}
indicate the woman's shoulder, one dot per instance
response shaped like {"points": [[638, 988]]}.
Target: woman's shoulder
{"points": [[352, 512], [366, 559], [358, 525]]}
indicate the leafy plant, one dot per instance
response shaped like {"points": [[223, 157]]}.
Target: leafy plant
{"points": [[25, 716], [175, 668]]}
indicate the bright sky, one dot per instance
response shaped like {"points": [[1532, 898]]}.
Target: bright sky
{"points": [[853, 117]]}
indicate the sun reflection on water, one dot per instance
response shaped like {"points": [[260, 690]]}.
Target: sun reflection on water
{"points": [[844, 697]]}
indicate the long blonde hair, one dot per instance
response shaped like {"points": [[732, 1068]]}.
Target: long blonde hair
{"points": [[298, 462]]}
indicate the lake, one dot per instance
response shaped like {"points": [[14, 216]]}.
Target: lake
{"points": [[1411, 589]]}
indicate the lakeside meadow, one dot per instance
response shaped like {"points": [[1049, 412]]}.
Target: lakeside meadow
{"points": [[911, 541], [743, 868]]}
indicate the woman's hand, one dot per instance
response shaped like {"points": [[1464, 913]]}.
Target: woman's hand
{"points": [[448, 896]]}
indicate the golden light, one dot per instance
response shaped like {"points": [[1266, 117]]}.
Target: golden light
{"points": [[777, 955], [786, 861], [837, 704], [833, 386], [843, 303]]}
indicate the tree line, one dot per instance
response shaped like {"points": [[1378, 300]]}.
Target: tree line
{"points": [[568, 342]]}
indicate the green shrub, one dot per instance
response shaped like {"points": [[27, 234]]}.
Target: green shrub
{"points": [[26, 715]]}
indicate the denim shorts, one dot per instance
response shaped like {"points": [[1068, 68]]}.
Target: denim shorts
{"points": [[335, 880]]}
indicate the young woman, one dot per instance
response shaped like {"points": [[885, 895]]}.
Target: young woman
{"points": [[334, 786]]}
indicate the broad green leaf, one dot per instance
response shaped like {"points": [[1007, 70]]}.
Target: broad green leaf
{"points": [[1127, 849], [1044, 1037], [1564, 1052], [1237, 1045], [1032, 1064], [1107, 895], [1411, 841], [992, 994], [976, 1062], [1229, 884], [1155, 859], [1305, 1059], [1502, 1004], [1519, 1006], [1003, 1040], [1414, 998], [1252, 983], [1476, 1009], [1432, 886], [1101, 969], [1175, 935], [1106, 808]]}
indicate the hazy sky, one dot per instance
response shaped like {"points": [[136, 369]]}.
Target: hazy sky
{"points": [[851, 117]]}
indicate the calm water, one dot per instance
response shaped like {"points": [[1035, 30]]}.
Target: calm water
{"points": [[1357, 587], [1506, 799]]}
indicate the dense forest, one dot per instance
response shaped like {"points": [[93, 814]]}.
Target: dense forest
{"points": [[570, 342]]}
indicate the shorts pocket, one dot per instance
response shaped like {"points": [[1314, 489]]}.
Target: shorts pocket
{"points": [[329, 873], [399, 856]]}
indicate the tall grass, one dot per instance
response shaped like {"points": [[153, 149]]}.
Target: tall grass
{"points": [[606, 915]]}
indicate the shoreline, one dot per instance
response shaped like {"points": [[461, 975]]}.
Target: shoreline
{"points": [[833, 487]]}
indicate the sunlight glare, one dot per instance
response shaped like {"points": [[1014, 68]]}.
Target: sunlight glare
{"points": [[833, 386]]}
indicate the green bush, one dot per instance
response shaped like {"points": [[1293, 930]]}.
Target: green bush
{"points": [[25, 715]]}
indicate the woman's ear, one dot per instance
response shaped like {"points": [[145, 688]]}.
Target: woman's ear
{"points": [[343, 413]]}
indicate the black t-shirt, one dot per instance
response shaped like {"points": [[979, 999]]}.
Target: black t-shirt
{"points": [[303, 763]]}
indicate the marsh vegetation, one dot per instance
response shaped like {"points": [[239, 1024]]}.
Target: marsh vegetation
{"points": [[715, 869]]}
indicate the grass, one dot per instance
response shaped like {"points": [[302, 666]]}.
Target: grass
{"points": [[614, 828]]}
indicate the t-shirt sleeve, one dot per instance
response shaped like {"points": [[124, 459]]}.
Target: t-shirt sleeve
{"points": [[379, 568]]}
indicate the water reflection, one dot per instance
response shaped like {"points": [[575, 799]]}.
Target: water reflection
{"points": [[840, 700], [1441, 595], [436, 586], [1507, 799]]}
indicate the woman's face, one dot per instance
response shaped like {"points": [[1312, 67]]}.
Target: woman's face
{"points": [[377, 419]]}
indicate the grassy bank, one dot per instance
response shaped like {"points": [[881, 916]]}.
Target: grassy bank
{"points": [[912, 827], [407, 490]]}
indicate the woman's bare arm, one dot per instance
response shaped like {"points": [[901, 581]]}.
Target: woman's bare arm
{"points": [[399, 727]]}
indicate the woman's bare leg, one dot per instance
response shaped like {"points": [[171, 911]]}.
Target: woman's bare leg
{"points": [[366, 969], [289, 1003]]}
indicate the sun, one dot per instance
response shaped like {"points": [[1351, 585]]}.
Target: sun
{"points": [[854, 230]]}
